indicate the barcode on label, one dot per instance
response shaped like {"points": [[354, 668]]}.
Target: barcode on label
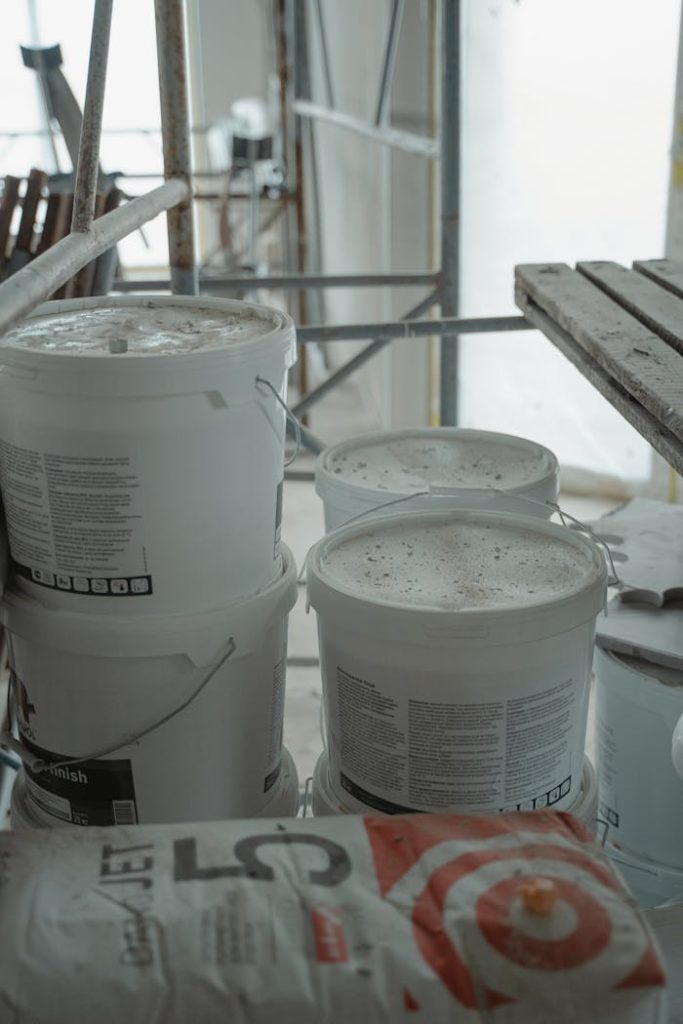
{"points": [[124, 812]]}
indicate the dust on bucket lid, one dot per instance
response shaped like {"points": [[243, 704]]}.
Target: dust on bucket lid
{"points": [[462, 566], [145, 342], [147, 329], [410, 461]]}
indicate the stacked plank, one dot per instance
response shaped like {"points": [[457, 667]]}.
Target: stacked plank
{"points": [[623, 329], [44, 217]]}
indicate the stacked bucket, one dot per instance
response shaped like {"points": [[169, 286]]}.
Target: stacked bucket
{"points": [[640, 760], [456, 627], [141, 459]]}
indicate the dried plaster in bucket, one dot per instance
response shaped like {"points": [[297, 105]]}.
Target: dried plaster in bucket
{"points": [[142, 330], [413, 463], [456, 566]]}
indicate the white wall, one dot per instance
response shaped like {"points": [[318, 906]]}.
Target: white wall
{"points": [[235, 38]]}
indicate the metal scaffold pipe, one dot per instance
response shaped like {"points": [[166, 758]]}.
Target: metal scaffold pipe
{"points": [[175, 125], [36, 281], [450, 203], [85, 191]]}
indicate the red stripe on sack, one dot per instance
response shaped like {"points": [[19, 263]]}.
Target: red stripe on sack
{"points": [[649, 972], [328, 932], [399, 841], [410, 1003]]}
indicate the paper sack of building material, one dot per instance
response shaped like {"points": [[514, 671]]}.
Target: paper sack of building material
{"points": [[515, 918]]}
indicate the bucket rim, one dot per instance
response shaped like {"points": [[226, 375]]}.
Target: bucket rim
{"points": [[285, 802], [640, 860], [155, 634], [322, 786], [324, 590], [643, 673], [329, 485], [282, 323]]}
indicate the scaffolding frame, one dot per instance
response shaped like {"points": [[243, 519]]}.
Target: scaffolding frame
{"points": [[89, 238]]}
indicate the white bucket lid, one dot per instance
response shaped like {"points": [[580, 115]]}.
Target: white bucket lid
{"points": [[451, 576], [175, 344], [647, 670], [199, 637], [397, 463]]}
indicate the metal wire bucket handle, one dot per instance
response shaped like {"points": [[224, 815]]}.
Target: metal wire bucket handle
{"points": [[581, 527], [290, 416], [38, 764], [452, 492]]}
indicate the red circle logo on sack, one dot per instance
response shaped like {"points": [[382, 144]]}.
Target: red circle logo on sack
{"points": [[471, 899], [504, 929]]}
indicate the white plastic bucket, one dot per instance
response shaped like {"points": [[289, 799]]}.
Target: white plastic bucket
{"points": [[651, 883], [91, 687], [455, 653], [325, 802], [476, 468], [284, 802], [641, 795], [146, 480]]}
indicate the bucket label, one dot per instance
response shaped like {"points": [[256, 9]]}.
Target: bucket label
{"points": [[75, 522], [277, 543], [87, 793], [410, 753]]}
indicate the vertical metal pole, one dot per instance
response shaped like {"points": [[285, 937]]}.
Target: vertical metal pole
{"points": [[450, 202], [674, 219], [310, 251], [175, 127], [85, 190], [384, 98], [324, 53]]}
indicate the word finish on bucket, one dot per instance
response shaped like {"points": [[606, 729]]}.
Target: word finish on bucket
{"points": [[142, 451], [641, 795], [283, 802], [324, 802], [175, 719], [456, 652], [473, 468]]}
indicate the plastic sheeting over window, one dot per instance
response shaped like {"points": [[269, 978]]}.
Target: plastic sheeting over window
{"points": [[567, 125]]}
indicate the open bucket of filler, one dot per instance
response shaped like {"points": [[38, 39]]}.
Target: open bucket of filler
{"points": [[418, 467], [456, 652], [115, 414]]}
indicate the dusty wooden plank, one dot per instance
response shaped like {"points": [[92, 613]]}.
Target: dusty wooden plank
{"points": [[23, 243], [666, 443], [635, 358], [10, 198], [667, 273], [660, 310]]}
